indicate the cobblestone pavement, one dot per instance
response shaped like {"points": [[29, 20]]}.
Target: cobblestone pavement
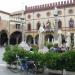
{"points": [[5, 71], [1, 55]]}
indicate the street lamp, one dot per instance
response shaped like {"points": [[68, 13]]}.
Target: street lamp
{"points": [[22, 22], [9, 32]]}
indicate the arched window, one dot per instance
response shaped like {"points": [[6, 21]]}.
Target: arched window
{"points": [[71, 23], [29, 26], [29, 16], [48, 26], [38, 15], [38, 25], [17, 26], [48, 14], [70, 11], [59, 24]]}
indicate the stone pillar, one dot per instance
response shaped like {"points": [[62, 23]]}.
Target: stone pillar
{"points": [[22, 31], [34, 41], [9, 33], [48, 40], [59, 38], [68, 40], [41, 38], [64, 72], [56, 28], [56, 24], [52, 41], [74, 39]]}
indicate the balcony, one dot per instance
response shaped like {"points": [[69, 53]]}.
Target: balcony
{"points": [[31, 31], [36, 31], [50, 30], [68, 29]]}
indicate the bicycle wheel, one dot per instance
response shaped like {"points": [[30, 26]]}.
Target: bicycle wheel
{"points": [[32, 67], [15, 68]]}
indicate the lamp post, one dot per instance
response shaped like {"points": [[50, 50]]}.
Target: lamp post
{"points": [[56, 23], [33, 30], [9, 31], [22, 22]]}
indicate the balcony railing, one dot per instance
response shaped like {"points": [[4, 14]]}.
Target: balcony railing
{"points": [[35, 30], [51, 30], [68, 28]]}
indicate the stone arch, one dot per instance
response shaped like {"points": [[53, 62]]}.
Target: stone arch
{"points": [[29, 26], [3, 37], [59, 24], [29, 39], [15, 37], [36, 39], [48, 26], [49, 36], [38, 25], [71, 23], [63, 38]]}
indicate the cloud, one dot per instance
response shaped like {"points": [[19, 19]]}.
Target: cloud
{"points": [[15, 5]]}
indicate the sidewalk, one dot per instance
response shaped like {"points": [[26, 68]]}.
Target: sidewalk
{"points": [[57, 72]]}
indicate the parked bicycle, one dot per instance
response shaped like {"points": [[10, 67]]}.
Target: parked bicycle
{"points": [[22, 64], [26, 64]]}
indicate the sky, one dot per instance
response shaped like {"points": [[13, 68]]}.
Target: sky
{"points": [[16, 5]]}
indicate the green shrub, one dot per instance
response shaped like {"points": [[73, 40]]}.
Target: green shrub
{"points": [[55, 45], [9, 57], [11, 52], [59, 61], [19, 51], [68, 60], [51, 59], [8, 47], [49, 45], [34, 48]]}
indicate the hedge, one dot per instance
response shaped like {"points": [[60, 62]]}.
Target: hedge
{"points": [[59, 61], [52, 60]]}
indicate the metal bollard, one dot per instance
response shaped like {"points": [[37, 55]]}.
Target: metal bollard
{"points": [[64, 72]]}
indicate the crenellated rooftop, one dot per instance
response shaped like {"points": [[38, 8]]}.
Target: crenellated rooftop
{"points": [[60, 4]]}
